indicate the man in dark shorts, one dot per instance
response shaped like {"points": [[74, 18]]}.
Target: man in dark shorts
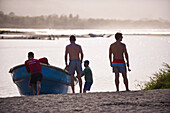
{"points": [[33, 66], [76, 57], [118, 50]]}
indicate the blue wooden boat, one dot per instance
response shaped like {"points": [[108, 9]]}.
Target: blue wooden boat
{"points": [[55, 80]]}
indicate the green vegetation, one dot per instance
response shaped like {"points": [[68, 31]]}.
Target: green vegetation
{"points": [[161, 80], [74, 22]]}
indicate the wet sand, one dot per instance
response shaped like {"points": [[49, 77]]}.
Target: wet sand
{"points": [[152, 101]]}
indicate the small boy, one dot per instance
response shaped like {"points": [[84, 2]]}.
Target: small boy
{"points": [[88, 76]]}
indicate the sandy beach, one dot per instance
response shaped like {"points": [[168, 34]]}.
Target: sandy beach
{"points": [[157, 101]]}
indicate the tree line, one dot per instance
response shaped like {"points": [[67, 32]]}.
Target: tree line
{"points": [[75, 22]]}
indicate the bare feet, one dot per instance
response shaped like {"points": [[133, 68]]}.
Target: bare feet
{"points": [[127, 90]]}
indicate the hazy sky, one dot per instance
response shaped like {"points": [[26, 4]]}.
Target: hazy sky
{"points": [[108, 9]]}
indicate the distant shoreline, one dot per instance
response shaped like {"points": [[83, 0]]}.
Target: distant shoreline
{"points": [[45, 34], [54, 37]]}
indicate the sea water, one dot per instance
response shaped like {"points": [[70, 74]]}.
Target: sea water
{"points": [[147, 53]]}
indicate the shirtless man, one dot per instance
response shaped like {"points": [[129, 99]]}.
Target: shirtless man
{"points": [[118, 64], [74, 50]]}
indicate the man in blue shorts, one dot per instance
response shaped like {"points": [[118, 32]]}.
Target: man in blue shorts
{"points": [[76, 57], [118, 50], [88, 76]]}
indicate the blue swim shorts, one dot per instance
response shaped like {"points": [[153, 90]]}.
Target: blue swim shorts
{"points": [[75, 65], [87, 85]]}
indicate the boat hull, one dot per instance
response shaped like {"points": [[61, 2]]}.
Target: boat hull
{"points": [[55, 80]]}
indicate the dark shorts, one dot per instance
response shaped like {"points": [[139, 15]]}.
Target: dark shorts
{"points": [[119, 69], [75, 65], [35, 77], [87, 85]]}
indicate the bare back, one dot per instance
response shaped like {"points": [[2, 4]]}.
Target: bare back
{"points": [[74, 50], [117, 49]]}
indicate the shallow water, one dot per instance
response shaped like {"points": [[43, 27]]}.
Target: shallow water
{"points": [[146, 53]]}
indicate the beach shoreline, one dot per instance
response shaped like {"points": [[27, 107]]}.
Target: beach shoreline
{"points": [[53, 34], [134, 101]]}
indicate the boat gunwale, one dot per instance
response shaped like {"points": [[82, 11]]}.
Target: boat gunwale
{"points": [[46, 65]]}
